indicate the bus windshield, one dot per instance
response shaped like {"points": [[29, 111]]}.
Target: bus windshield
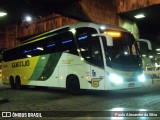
{"points": [[124, 52]]}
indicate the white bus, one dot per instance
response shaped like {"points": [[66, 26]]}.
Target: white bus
{"points": [[79, 56]]}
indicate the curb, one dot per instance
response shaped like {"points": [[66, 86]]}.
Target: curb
{"points": [[2, 100]]}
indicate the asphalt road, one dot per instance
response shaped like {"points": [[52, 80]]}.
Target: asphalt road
{"points": [[50, 101]]}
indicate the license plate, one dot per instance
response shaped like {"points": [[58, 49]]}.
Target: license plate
{"points": [[131, 85]]}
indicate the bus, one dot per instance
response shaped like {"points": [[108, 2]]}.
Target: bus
{"points": [[84, 55]]}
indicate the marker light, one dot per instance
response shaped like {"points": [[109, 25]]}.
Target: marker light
{"points": [[29, 56], [82, 58], [115, 78], [113, 33]]}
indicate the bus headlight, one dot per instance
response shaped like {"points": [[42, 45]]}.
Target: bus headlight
{"points": [[141, 78], [115, 78]]}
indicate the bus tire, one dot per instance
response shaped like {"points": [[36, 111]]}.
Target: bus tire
{"points": [[18, 83], [12, 84], [72, 85]]}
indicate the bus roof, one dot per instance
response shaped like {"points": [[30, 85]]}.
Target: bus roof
{"points": [[97, 25], [72, 26]]}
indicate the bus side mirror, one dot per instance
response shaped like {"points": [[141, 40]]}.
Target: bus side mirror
{"points": [[108, 38], [146, 41]]}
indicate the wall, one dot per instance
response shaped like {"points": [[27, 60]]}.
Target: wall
{"points": [[10, 34], [101, 11], [130, 26], [128, 5]]}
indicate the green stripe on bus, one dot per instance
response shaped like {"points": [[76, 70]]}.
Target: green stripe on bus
{"points": [[43, 59], [50, 66]]}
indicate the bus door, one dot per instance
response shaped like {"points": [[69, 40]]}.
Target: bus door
{"points": [[97, 66]]}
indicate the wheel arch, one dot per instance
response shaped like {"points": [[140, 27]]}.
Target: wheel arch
{"points": [[72, 75], [17, 78], [73, 84]]}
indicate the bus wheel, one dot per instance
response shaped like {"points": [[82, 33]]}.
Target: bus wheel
{"points": [[72, 85], [12, 84], [18, 83]]}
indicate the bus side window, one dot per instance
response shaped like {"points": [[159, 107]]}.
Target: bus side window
{"points": [[67, 43], [83, 42], [35, 49], [51, 45]]}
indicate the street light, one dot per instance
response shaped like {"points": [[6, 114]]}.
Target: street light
{"points": [[28, 18]]}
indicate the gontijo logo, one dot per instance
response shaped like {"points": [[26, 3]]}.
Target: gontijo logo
{"points": [[21, 64]]}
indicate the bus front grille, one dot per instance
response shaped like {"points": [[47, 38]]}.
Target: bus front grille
{"points": [[130, 79]]}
